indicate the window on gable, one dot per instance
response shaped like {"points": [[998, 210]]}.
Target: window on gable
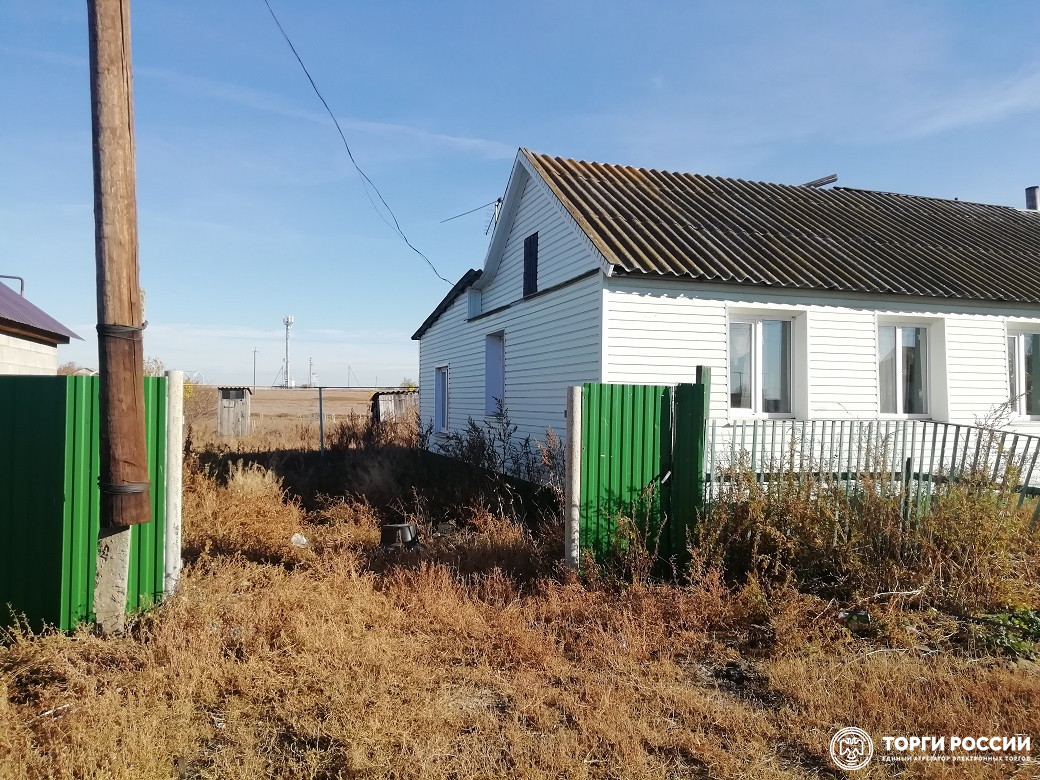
{"points": [[1024, 373], [760, 367], [440, 400], [494, 373], [903, 369], [531, 264]]}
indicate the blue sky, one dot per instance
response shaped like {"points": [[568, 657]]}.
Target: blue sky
{"points": [[249, 208]]}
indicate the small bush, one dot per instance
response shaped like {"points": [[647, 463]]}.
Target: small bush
{"points": [[247, 514], [494, 446], [966, 547]]}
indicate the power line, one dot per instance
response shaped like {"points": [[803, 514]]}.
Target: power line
{"points": [[366, 182]]}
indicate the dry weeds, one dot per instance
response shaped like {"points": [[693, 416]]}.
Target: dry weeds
{"points": [[472, 657]]}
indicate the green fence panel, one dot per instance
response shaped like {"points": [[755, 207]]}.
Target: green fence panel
{"points": [[643, 459], [148, 541], [81, 509], [50, 502], [626, 450], [31, 496], [688, 476]]}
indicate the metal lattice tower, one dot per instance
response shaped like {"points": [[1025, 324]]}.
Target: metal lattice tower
{"points": [[288, 320]]}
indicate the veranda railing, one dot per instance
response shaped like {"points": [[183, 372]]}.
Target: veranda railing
{"points": [[921, 452]]}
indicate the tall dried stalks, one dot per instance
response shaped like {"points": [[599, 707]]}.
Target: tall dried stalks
{"points": [[476, 655]]}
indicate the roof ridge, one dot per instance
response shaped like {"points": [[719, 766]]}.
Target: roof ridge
{"points": [[738, 180]]}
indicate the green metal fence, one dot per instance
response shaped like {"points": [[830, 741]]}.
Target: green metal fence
{"points": [[50, 502], [642, 462]]}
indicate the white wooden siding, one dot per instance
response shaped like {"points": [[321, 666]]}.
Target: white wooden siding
{"points": [[551, 341], [843, 373], [658, 331], [563, 250], [976, 366], [656, 338]]}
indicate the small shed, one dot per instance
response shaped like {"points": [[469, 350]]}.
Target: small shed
{"points": [[233, 410], [394, 405]]}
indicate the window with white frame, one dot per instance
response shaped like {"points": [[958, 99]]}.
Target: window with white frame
{"points": [[760, 367], [494, 373], [903, 369], [440, 400], [1024, 373]]}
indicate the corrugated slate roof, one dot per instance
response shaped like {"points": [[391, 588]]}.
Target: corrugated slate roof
{"points": [[18, 311], [744, 232]]}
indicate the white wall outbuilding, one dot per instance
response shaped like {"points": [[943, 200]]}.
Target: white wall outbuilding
{"points": [[29, 337], [21, 356]]}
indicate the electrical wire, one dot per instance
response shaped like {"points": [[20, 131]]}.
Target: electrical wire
{"points": [[366, 181]]}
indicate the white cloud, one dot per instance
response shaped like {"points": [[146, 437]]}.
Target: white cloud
{"points": [[979, 103], [269, 102], [407, 138]]}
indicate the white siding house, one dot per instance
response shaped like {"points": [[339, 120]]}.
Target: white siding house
{"points": [[806, 303], [29, 337]]}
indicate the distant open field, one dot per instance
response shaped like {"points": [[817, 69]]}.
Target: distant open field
{"points": [[282, 418], [303, 401]]}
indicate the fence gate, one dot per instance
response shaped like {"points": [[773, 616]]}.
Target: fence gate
{"points": [[641, 461]]}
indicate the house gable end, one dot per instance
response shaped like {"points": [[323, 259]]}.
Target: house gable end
{"points": [[564, 250]]}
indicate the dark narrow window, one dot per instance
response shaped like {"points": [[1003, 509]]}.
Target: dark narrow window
{"points": [[531, 264]]}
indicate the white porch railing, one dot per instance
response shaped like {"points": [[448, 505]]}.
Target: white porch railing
{"points": [[908, 450]]}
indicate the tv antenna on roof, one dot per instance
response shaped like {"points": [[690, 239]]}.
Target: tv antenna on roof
{"points": [[821, 182]]}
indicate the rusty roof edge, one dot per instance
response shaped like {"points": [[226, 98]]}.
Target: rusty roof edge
{"points": [[460, 286]]}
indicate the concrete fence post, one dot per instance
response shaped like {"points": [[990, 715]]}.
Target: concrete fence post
{"points": [[572, 492], [321, 422], [174, 478]]}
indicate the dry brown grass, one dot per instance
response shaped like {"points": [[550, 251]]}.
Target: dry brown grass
{"points": [[473, 657], [968, 547]]}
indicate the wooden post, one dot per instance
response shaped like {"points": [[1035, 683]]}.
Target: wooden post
{"points": [[125, 499]]}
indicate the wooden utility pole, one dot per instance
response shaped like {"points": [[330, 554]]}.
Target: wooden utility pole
{"points": [[125, 498]]}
